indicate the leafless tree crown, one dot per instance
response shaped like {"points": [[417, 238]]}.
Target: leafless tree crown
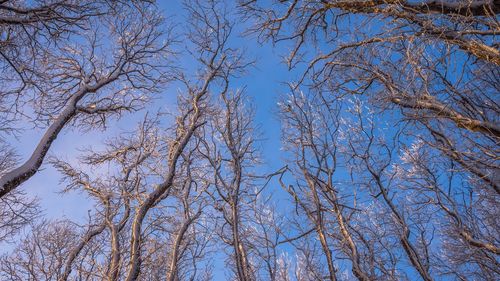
{"points": [[389, 149]]}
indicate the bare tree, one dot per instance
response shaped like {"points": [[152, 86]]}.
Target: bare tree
{"points": [[41, 255], [16, 211], [470, 246], [267, 237], [147, 221], [31, 30], [230, 150], [209, 33], [84, 80], [372, 152], [390, 142], [467, 25], [311, 135], [442, 67], [173, 242], [428, 70]]}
